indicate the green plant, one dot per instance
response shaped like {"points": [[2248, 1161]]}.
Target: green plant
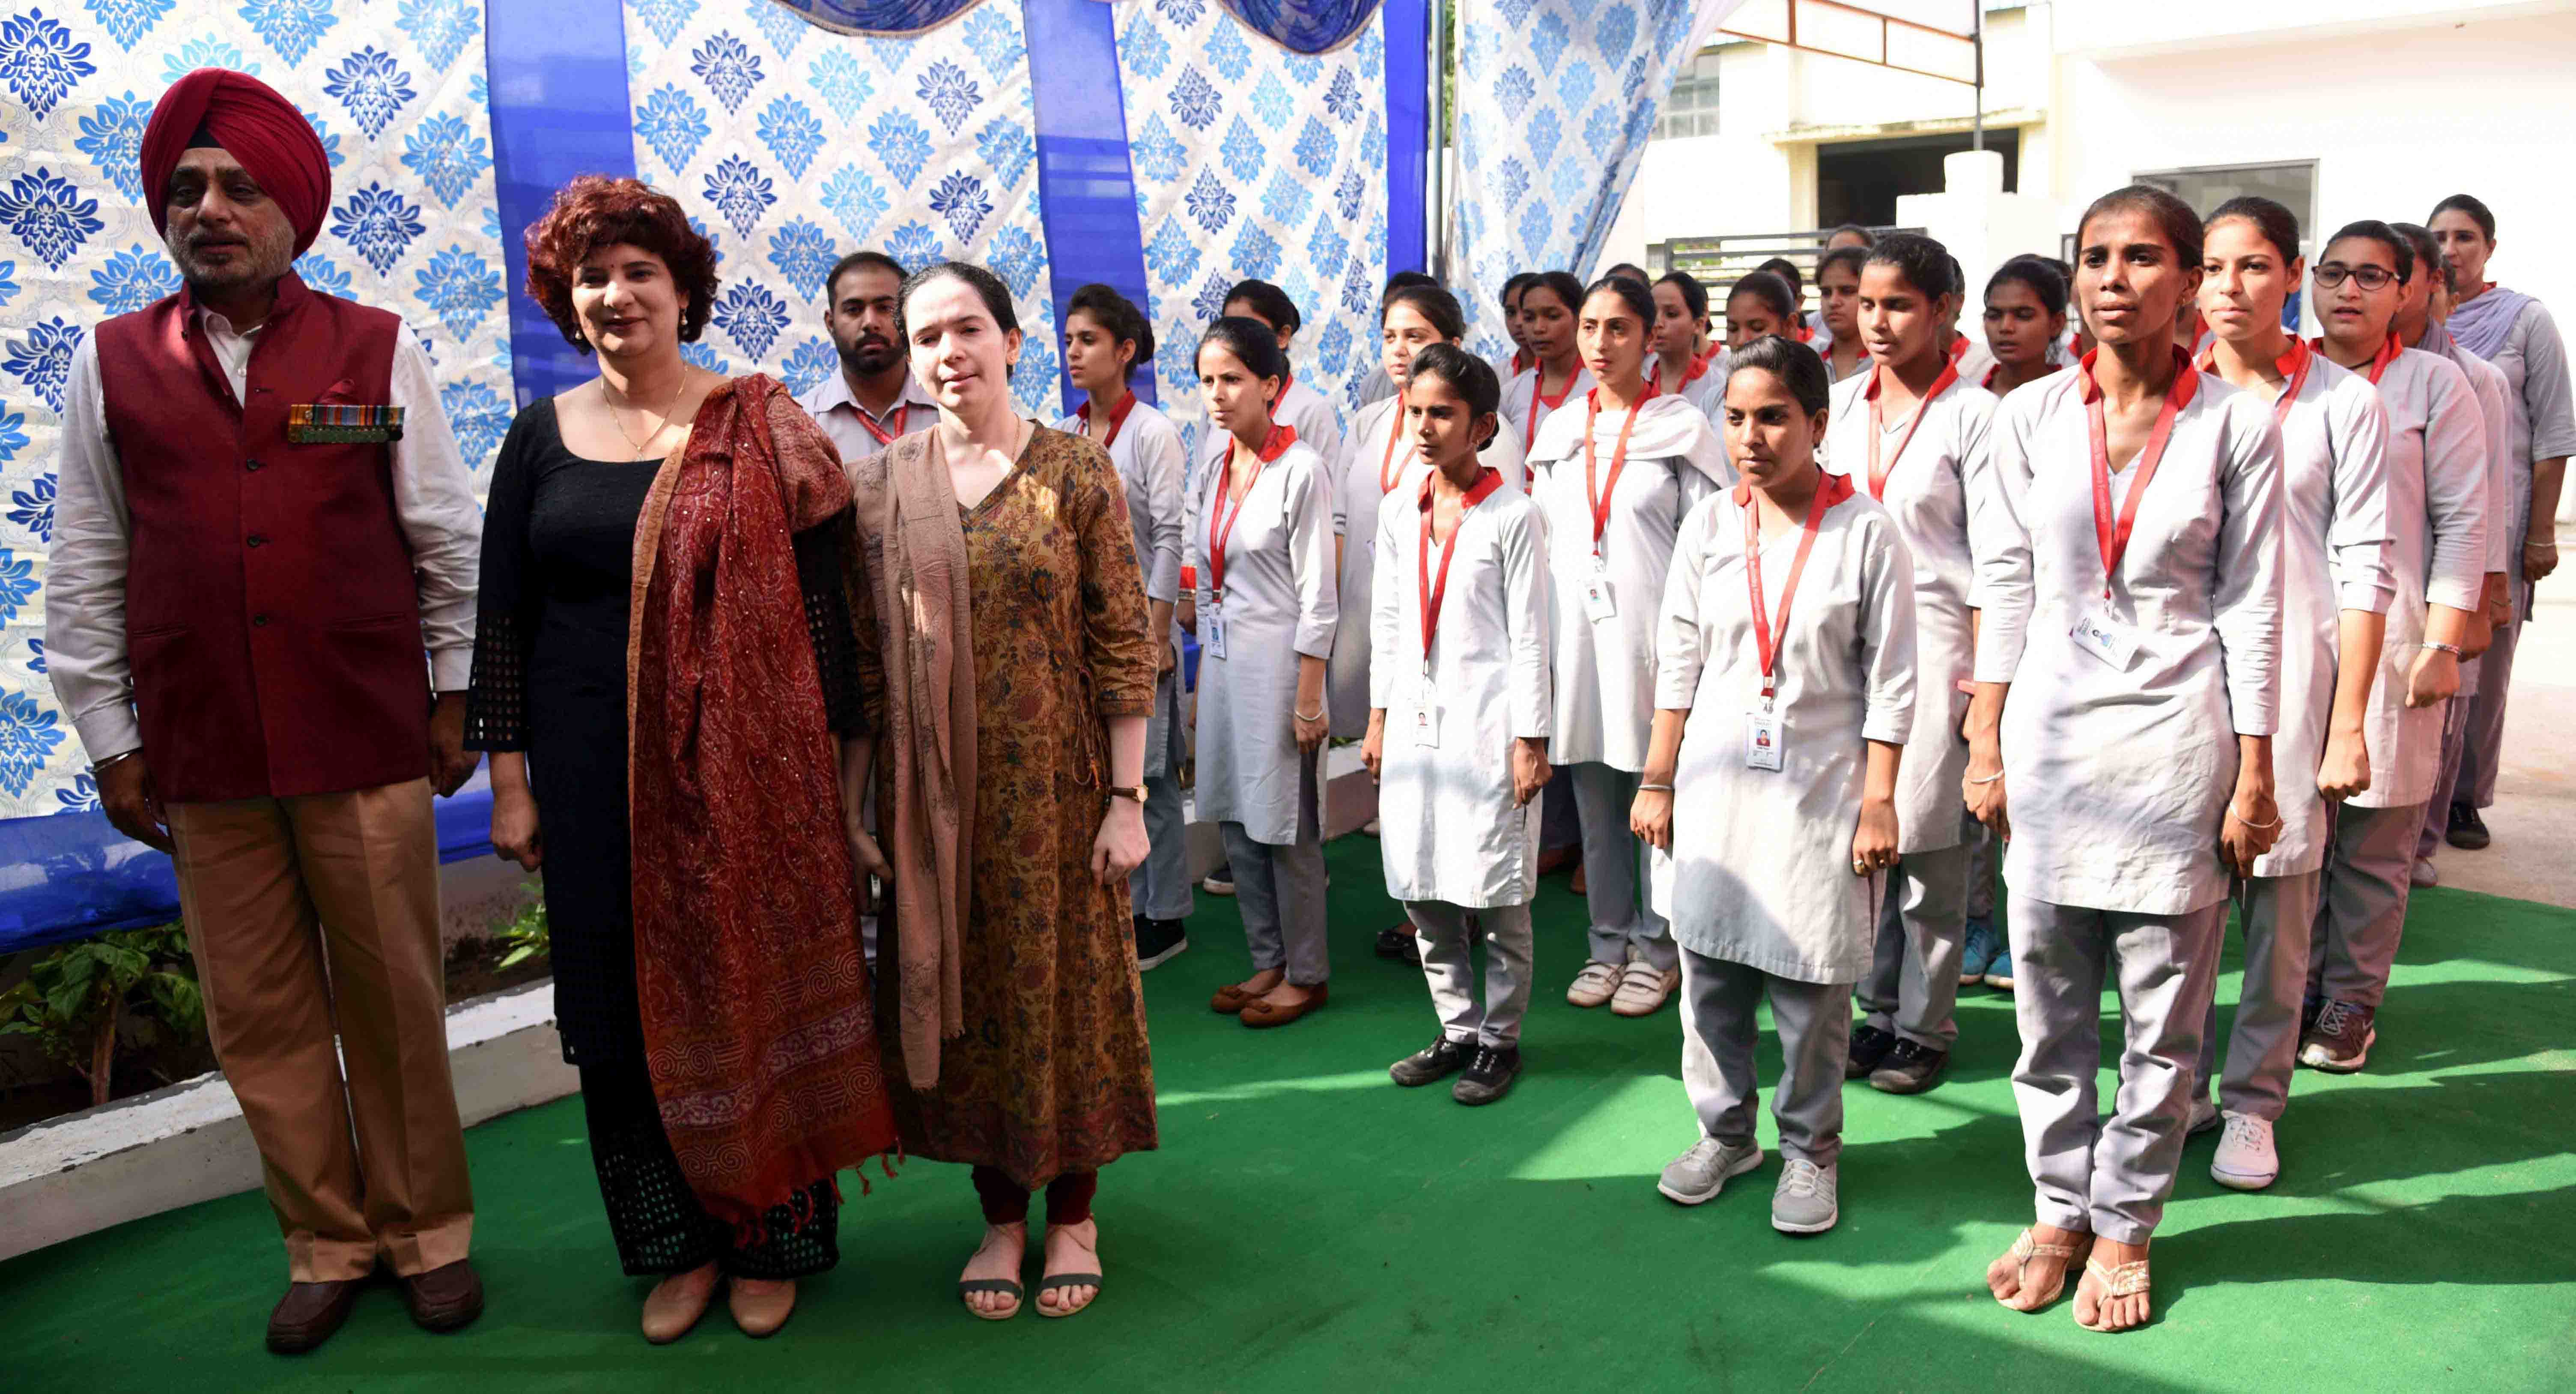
{"points": [[75, 1000], [526, 935]]}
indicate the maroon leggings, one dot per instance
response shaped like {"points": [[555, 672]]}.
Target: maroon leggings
{"points": [[1068, 1197]]}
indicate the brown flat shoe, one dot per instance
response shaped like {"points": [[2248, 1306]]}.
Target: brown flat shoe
{"points": [[309, 1312], [444, 1298], [672, 1308], [1260, 1013], [1231, 998], [762, 1313]]}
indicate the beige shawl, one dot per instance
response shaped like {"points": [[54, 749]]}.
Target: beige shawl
{"points": [[915, 557]]}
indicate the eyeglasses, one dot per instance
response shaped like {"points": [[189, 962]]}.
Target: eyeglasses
{"points": [[2331, 274]]}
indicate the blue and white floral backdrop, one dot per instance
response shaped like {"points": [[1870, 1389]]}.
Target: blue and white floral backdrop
{"points": [[396, 88], [1252, 161], [793, 145]]}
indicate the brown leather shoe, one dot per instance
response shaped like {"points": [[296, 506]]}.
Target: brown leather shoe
{"points": [[309, 1312], [444, 1298], [1575, 883], [1230, 999], [1261, 1012]]}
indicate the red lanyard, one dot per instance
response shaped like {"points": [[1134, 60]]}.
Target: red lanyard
{"points": [[1433, 594], [1878, 476], [2292, 366], [900, 413], [2378, 361], [1655, 380], [2113, 538], [1593, 491], [1221, 522], [1395, 429], [1958, 348], [1831, 489], [1539, 398], [1117, 417]]}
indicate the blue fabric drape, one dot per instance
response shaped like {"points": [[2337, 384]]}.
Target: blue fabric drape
{"points": [[1408, 128], [1304, 26], [883, 19], [1086, 184]]}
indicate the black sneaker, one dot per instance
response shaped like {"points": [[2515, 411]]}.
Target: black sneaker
{"points": [[1158, 942], [1869, 1046], [1488, 1077], [2467, 831], [1909, 1069], [1431, 1064], [1396, 944]]}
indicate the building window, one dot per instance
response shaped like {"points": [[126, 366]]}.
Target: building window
{"points": [[2292, 185], [1693, 108]]}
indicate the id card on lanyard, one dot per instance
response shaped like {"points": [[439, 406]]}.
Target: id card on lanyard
{"points": [[1221, 521], [2097, 631], [1765, 735], [1429, 711], [1598, 603]]}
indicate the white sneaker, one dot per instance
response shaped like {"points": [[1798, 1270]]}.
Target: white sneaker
{"points": [[1643, 989], [1594, 985], [2204, 1116], [2246, 1159]]}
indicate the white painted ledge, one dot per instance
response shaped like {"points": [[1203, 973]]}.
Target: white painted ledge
{"points": [[175, 1147]]}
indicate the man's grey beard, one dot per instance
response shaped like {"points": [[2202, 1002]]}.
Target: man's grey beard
{"points": [[254, 270]]}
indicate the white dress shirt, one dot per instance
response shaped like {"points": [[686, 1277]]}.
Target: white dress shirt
{"points": [[837, 410]]}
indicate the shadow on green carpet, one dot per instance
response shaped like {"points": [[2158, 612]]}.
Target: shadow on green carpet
{"points": [[1309, 1225]]}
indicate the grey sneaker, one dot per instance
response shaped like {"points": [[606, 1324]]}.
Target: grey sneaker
{"points": [[1699, 1174], [2204, 1116], [1803, 1202]]}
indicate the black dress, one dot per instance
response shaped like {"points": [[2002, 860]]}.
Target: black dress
{"points": [[550, 680]]}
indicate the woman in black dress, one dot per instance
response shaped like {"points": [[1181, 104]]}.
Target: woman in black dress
{"points": [[621, 272]]}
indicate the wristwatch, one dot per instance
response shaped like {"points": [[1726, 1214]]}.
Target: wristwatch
{"points": [[1127, 791]]}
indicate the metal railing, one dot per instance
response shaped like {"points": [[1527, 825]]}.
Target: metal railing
{"points": [[1718, 261]]}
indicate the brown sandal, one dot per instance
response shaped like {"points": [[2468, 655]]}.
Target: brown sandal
{"points": [[1259, 1012]]}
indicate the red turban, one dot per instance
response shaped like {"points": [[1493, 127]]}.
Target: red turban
{"points": [[255, 126]]}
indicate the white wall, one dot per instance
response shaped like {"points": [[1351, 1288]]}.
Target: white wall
{"points": [[2395, 120]]}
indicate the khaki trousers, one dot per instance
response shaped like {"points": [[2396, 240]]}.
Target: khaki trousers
{"points": [[361, 1163]]}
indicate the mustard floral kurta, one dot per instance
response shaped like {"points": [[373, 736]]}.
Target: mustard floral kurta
{"points": [[1052, 1074]]}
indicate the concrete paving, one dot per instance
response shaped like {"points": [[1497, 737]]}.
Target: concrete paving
{"points": [[2534, 818]]}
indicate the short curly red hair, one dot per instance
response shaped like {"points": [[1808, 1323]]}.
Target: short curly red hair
{"points": [[595, 211]]}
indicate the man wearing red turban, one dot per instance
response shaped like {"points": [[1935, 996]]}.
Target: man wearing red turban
{"points": [[262, 524]]}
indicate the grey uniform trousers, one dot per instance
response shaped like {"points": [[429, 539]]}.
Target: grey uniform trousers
{"points": [[2483, 750], [1814, 1021], [2108, 1177], [1159, 887], [1449, 966], [1624, 922], [1280, 891], [1913, 982], [2278, 914], [2361, 914]]}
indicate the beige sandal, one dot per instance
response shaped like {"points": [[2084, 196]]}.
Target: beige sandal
{"points": [[2027, 1247], [2126, 1280]]}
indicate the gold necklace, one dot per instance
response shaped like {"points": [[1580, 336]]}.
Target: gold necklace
{"points": [[619, 422]]}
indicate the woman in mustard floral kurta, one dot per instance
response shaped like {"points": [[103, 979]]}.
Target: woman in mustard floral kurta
{"points": [[1049, 1077]]}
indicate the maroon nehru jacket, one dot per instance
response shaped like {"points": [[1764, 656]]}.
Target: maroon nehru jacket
{"points": [[271, 613]]}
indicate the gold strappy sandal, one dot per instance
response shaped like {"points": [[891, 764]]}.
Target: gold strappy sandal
{"points": [[2027, 1247], [2126, 1280]]}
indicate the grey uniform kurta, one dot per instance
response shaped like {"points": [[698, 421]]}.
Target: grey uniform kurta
{"points": [[2334, 557], [1448, 829], [1360, 484], [1525, 413], [2118, 780], [1301, 409], [2437, 480], [2504, 554], [1278, 605], [1760, 871], [1152, 466]]}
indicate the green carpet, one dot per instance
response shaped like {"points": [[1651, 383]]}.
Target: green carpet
{"points": [[1309, 1226]]}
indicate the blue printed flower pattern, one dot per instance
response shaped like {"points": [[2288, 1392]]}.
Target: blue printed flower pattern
{"points": [[42, 60], [841, 81], [132, 279], [447, 155], [803, 255], [29, 733], [128, 20], [902, 144], [1195, 103], [807, 364], [949, 93], [323, 274], [672, 124], [32, 508], [856, 200], [112, 138], [459, 288], [1211, 202], [479, 417], [81, 795], [664, 17], [378, 224], [291, 27], [372, 86], [729, 69], [740, 192], [792, 132], [750, 316], [915, 244], [440, 27], [960, 199], [207, 52], [49, 215]]}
